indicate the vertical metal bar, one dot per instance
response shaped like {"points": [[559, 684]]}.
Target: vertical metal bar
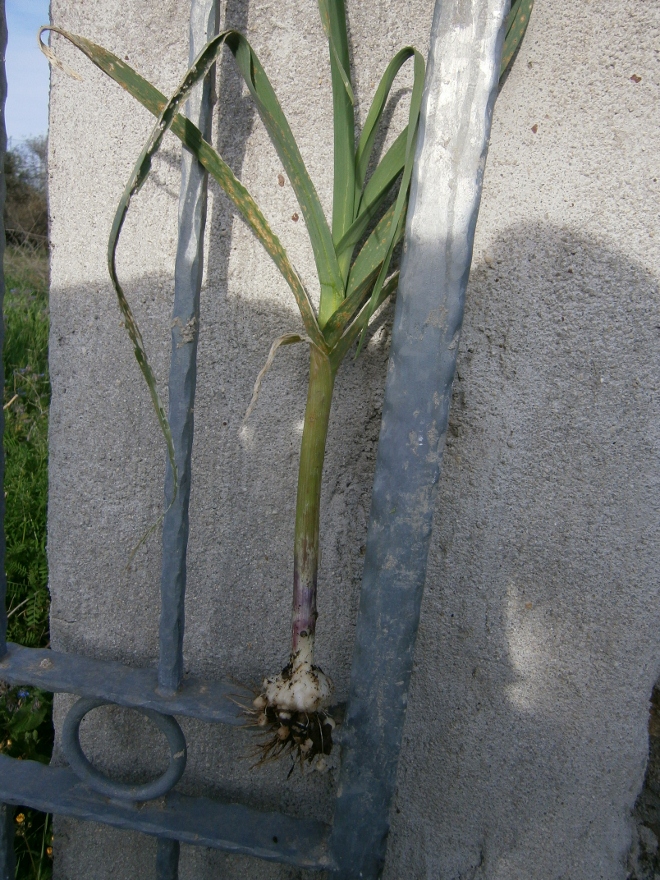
{"points": [[167, 859], [7, 855], [204, 21], [3, 149], [466, 46]]}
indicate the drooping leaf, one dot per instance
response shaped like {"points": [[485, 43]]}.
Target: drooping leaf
{"points": [[189, 134], [286, 339]]}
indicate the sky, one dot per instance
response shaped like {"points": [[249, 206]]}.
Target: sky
{"points": [[27, 70]]}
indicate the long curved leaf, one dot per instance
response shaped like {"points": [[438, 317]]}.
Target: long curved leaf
{"points": [[191, 137], [374, 116], [398, 218], [272, 116], [140, 173]]}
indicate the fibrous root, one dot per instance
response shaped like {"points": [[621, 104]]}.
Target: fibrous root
{"points": [[293, 706]]}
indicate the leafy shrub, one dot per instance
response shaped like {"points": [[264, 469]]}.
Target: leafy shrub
{"points": [[26, 210]]}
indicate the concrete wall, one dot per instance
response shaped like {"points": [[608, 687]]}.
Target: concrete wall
{"points": [[526, 737]]}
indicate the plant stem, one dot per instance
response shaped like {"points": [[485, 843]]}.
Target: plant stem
{"points": [[308, 503]]}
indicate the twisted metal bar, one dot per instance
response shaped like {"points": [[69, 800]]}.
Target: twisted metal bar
{"points": [[204, 22], [98, 781]]}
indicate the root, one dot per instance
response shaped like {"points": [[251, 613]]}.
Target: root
{"points": [[291, 710]]}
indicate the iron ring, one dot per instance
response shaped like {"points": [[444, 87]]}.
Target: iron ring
{"points": [[85, 770]]}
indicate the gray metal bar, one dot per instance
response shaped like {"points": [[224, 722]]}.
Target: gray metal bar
{"points": [[199, 821], [3, 149], [167, 859], [7, 855], [460, 90], [204, 21], [213, 701]]}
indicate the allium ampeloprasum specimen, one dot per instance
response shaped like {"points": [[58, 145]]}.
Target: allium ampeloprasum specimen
{"points": [[369, 211]]}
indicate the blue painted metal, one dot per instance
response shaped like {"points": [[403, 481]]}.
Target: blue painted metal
{"points": [[204, 22], [7, 856], [444, 203], [98, 781], [167, 859], [199, 821], [213, 701]]}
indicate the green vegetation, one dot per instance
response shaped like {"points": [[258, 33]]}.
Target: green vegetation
{"points": [[26, 399], [25, 213], [26, 729]]}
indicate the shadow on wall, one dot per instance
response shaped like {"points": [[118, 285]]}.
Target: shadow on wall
{"points": [[644, 861], [538, 647], [526, 736]]}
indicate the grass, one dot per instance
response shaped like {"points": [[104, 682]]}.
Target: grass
{"points": [[26, 729]]}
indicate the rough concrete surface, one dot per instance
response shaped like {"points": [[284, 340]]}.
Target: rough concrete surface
{"points": [[526, 738]]}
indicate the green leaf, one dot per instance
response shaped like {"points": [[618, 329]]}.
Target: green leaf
{"points": [[374, 116], [342, 316], [189, 134], [330, 277], [333, 16], [370, 196], [515, 27], [379, 185], [345, 77], [398, 218], [374, 250], [364, 272], [361, 323], [27, 718]]}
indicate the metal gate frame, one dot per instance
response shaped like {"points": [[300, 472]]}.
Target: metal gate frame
{"points": [[466, 46]]}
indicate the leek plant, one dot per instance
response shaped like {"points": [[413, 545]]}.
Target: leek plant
{"points": [[353, 255]]}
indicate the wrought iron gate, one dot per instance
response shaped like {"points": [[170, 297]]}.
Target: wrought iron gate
{"points": [[416, 405]]}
